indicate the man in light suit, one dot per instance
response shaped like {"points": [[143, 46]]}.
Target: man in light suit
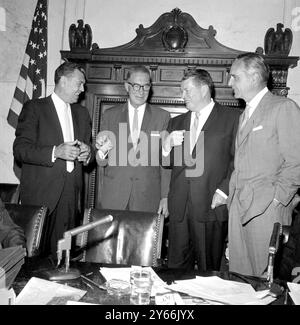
{"points": [[53, 138], [200, 147], [266, 172], [128, 146]]}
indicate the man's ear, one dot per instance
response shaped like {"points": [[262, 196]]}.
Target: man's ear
{"points": [[204, 90], [126, 86]]}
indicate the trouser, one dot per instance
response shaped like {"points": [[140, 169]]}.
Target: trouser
{"points": [[64, 217]]}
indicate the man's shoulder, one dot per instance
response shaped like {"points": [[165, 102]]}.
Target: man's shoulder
{"points": [[159, 111], [229, 111], [116, 109]]}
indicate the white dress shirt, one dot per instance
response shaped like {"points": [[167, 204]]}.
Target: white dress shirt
{"points": [[255, 100], [60, 107]]}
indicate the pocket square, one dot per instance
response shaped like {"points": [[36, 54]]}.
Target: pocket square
{"points": [[257, 128], [155, 134]]}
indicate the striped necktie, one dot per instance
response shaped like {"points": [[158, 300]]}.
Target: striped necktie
{"points": [[246, 115], [135, 128], [194, 129]]}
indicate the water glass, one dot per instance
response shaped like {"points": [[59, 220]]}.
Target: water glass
{"points": [[141, 285]]}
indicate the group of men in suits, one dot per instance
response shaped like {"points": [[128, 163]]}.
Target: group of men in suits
{"points": [[196, 168]]}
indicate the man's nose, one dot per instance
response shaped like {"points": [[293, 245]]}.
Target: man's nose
{"points": [[230, 82]]}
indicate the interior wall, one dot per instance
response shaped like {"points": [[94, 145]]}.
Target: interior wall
{"points": [[239, 24]]}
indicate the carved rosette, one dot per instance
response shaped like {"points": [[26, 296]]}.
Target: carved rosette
{"points": [[175, 37]]}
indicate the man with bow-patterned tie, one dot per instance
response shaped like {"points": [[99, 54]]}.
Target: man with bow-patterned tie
{"points": [[266, 172], [200, 150], [131, 180]]}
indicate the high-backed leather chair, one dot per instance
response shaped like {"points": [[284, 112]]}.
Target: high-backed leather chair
{"points": [[133, 238], [9, 192], [31, 219]]}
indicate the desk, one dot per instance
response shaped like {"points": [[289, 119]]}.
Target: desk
{"points": [[97, 296]]}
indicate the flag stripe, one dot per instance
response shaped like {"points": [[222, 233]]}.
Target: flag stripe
{"points": [[33, 73]]}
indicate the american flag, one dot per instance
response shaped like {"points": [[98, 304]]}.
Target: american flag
{"points": [[33, 75]]}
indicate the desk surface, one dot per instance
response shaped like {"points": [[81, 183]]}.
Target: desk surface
{"points": [[39, 268]]}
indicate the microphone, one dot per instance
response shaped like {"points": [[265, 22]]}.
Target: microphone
{"points": [[65, 243], [273, 247]]}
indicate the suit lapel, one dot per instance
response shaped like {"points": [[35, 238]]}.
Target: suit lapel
{"points": [[253, 120], [211, 118], [75, 123], [55, 120], [145, 127]]}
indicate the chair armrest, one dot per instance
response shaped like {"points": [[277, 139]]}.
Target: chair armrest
{"points": [[31, 219]]}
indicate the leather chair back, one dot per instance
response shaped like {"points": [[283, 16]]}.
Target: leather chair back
{"points": [[133, 238], [31, 219], [9, 192]]}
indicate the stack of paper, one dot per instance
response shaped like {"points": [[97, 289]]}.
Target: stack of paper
{"points": [[294, 292], [43, 292], [11, 260], [215, 289]]}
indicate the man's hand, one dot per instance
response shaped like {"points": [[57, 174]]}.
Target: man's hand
{"points": [[175, 138], [163, 207], [85, 152], [67, 151], [103, 143], [217, 200]]}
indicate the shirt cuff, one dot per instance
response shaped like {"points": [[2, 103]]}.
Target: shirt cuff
{"points": [[53, 158], [221, 193], [164, 152], [102, 155]]}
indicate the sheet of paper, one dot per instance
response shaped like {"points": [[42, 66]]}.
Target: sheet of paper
{"points": [[215, 289], [42, 292], [294, 292]]}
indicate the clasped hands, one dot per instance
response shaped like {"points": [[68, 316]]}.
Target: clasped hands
{"points": [[73, 150]]}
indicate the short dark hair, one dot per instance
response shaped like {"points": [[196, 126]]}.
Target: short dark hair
{"points": [[65, 69], [137, 68], [254, 61], [200, 77]]}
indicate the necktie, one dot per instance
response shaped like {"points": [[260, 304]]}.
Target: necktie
{"points": [[135, 128], [194, 130], [68, 135], [246, 115]]}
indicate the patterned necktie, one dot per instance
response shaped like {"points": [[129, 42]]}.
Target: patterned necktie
{"points": [[68, 135], [135, 128], [194, 130], [246, 115]]}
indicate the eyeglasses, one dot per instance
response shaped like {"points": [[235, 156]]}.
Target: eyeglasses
{"points": [[137, 87]]}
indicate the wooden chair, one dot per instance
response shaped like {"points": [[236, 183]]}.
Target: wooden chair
{"points": [[31, 219], [133, 238]]}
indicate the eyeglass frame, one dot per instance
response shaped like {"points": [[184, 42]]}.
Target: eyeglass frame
{"points": [[135, 85]]}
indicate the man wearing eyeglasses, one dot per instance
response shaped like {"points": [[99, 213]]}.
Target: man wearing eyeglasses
{"points": [[128, 149]]}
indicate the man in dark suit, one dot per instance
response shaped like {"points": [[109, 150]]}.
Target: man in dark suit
{"points": [[129, 150], [200, 147], [52, 144]]}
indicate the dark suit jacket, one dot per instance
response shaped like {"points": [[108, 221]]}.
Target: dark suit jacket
{"points": [[38, 130], [145, 185], [217, 144]]}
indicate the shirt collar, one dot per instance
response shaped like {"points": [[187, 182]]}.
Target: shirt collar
{"points": [[257, 98], [142, 107], [58, 102], [207, 109]]}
